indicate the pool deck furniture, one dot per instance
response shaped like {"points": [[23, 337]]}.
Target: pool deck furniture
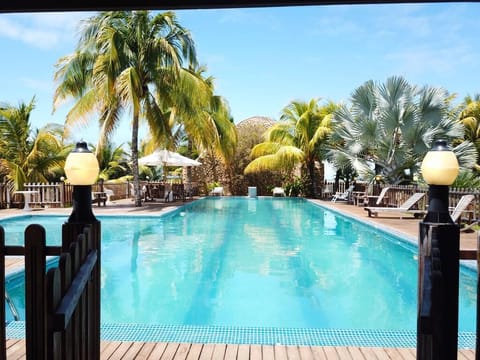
{"points": [[27, 195], [278, 191], [406, 208], [343, 196], [377, 200], [99, 198], [462, 208], [217, 191], [126, 350]]}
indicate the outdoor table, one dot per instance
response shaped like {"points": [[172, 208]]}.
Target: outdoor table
{"points": [[358, 198], [99, 197], [27, 196]]}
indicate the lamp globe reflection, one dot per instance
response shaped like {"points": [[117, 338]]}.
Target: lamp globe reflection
{"points": [[81, 166]]}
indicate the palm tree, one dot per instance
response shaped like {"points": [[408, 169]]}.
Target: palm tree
{"points": [[470, 118], [29, 155], [389, 127], [199, 117], [299, 138], [126, 61], [112, 161]]}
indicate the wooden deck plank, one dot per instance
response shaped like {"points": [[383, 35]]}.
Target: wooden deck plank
{"points": [[268, 352], [318, 352], [219, 352], [355, 353], [255, 352], [108, 349], [292, 353], [343, 353], [305, 353], [194, 352], [157, 351], [15, 349], [231, 351], [170, 351], [207, 352], [145, 351], [182, 351], [243, 352], [132, 352], [120, 351], [280, 352], [331, 353], [368, 353]]}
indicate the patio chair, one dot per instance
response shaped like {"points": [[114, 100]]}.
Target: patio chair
{"points": [[109, 193], [405, 208], [460, 208], [380, 200], [217, 191], [278, 191], [345, 196]]}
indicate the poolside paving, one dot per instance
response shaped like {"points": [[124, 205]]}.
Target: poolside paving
{"points": [[407, 227]]}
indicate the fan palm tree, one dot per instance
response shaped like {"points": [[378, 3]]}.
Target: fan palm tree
{"points": [[297, 139], [28, 155], [126, 61], [389, 127]]}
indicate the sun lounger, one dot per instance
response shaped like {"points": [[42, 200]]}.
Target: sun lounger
{"points": [[217, 191], [345, 196], [403, 209], [460, 208], [278, 191]]}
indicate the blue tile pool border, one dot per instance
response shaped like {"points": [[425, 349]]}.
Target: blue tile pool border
{"points": [[252, 335]]}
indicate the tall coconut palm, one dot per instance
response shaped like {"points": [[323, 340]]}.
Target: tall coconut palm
{"points": [[470, 118], [199, 116], [125, 61], [297, 139], [389, 127], [26, 154]]}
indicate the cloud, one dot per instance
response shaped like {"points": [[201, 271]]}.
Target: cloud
{"points": [[41, 30], [436, 60], [37, 85]]}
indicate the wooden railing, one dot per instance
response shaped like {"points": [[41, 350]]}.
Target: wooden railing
{"points": [[62, 306], [48, 195]]}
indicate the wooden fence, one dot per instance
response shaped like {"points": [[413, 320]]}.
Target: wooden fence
{"points": [[62, 306]]}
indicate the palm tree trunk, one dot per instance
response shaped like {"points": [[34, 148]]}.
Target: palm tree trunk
{"points": [[136, 180], [311, 176], [189, 169]]}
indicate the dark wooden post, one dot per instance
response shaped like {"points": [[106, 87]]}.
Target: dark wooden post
{"points": [[35, 307], [70, 232], [3, 350]]}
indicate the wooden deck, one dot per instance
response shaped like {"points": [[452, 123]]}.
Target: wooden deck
{"points": [[183, 351]]}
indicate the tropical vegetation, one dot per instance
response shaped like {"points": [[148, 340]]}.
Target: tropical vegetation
{"points": [[28, 154], [300, 138], [388, 127]]}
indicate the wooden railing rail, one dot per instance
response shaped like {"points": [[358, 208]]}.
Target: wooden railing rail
{"points": [[62, 306]]}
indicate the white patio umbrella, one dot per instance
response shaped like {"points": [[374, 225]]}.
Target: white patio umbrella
{"points": [[167, 158]]}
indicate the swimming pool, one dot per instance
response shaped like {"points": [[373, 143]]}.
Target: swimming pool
{"points": [[232, 264]]}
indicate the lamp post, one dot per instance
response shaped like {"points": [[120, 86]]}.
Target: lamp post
{"points": [[81, 168], [438, 260]]}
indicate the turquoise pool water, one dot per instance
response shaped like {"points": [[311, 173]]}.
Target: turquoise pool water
{"points": [[263, 263]]}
